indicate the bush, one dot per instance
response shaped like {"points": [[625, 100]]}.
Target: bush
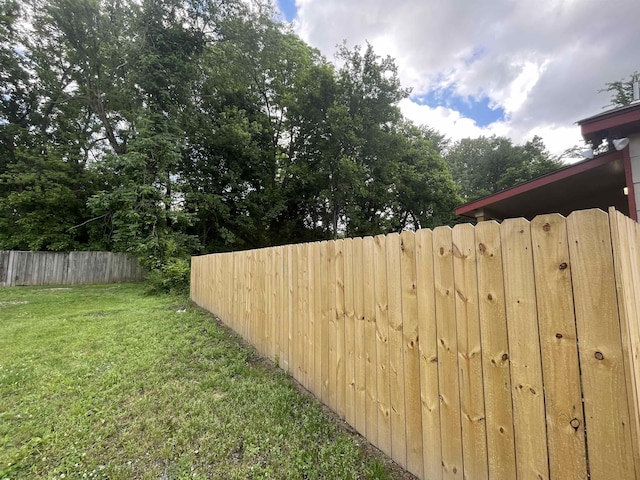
{"points": [[172, 277]]}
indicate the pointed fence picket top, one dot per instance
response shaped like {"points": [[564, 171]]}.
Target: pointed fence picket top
{"points": [[494, 351]]}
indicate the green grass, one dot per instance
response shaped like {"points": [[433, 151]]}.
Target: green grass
{"points": [[105, 382]]}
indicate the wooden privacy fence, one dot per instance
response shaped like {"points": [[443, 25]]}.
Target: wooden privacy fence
{"points": [[497, 351], [60, 268]]}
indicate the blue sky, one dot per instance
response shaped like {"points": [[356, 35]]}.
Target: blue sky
{"points": [[288, 9], [478, 109], [508, 68]]}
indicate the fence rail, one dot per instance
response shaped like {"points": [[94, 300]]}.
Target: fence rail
{"points": [[59, 268], [497, 351]]}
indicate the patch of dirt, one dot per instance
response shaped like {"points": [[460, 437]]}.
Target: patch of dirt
{"points": [[178, 306], [238, 452], [7, 304]]}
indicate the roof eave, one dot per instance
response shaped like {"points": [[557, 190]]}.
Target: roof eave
{"points": [[468, 209]]}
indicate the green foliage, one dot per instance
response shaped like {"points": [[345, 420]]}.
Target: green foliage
{"points": [[172, 277], [622, 90], [483, 166], [42, 202], [164, 128]]}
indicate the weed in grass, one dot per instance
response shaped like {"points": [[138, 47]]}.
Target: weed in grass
{"points": [[106, 382]]}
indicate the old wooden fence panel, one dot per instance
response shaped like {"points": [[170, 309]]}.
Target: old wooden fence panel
{"points": [[494, 351], [60, 268]]}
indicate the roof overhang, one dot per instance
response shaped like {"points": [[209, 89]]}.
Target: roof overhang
{"points": [[615, 123], [593, 183]]}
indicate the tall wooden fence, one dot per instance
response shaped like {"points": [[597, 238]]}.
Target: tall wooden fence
{"points": [[59, 268], [498, 351]]}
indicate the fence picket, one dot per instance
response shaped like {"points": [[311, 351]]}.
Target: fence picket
{"points": [[292, 324], [284, 328], [275, 303], [396, 360], [326, 287], [558, 341], [428, 349], [349, 334], [235, 292], [411, 354], [310, 322], [316, 292], [452, 459], [382, 344], [626, 245], [298, 310], [318, 281], [268, 300], [524, 350], [248, 292], [303, 320], [359, 339], [370, 340], [339, 328], [600, 349], [333, 327], [495, 353], [474, 435]]}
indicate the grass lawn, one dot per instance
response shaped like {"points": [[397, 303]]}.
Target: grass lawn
{"points": [[105, 382]]}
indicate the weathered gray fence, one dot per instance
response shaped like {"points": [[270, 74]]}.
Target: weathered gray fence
{"points": [[60, 268]]}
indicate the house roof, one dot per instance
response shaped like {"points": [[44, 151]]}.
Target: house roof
{"points": [[592, 183], [617, 122]]}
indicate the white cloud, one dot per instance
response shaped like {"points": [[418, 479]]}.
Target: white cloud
{"points": [[543, 62], [449, 121]]}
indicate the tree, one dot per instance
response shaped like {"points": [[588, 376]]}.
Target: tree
{"points": [[362, 168], [483, 166], [243, 183], [44, 142], [168, 127], [622, 90], [425, 193]]}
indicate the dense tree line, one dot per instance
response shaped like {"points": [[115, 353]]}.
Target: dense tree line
{"points": [[169, 127]]}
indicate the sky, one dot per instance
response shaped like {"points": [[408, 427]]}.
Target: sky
{"points": [[503, 67]]}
